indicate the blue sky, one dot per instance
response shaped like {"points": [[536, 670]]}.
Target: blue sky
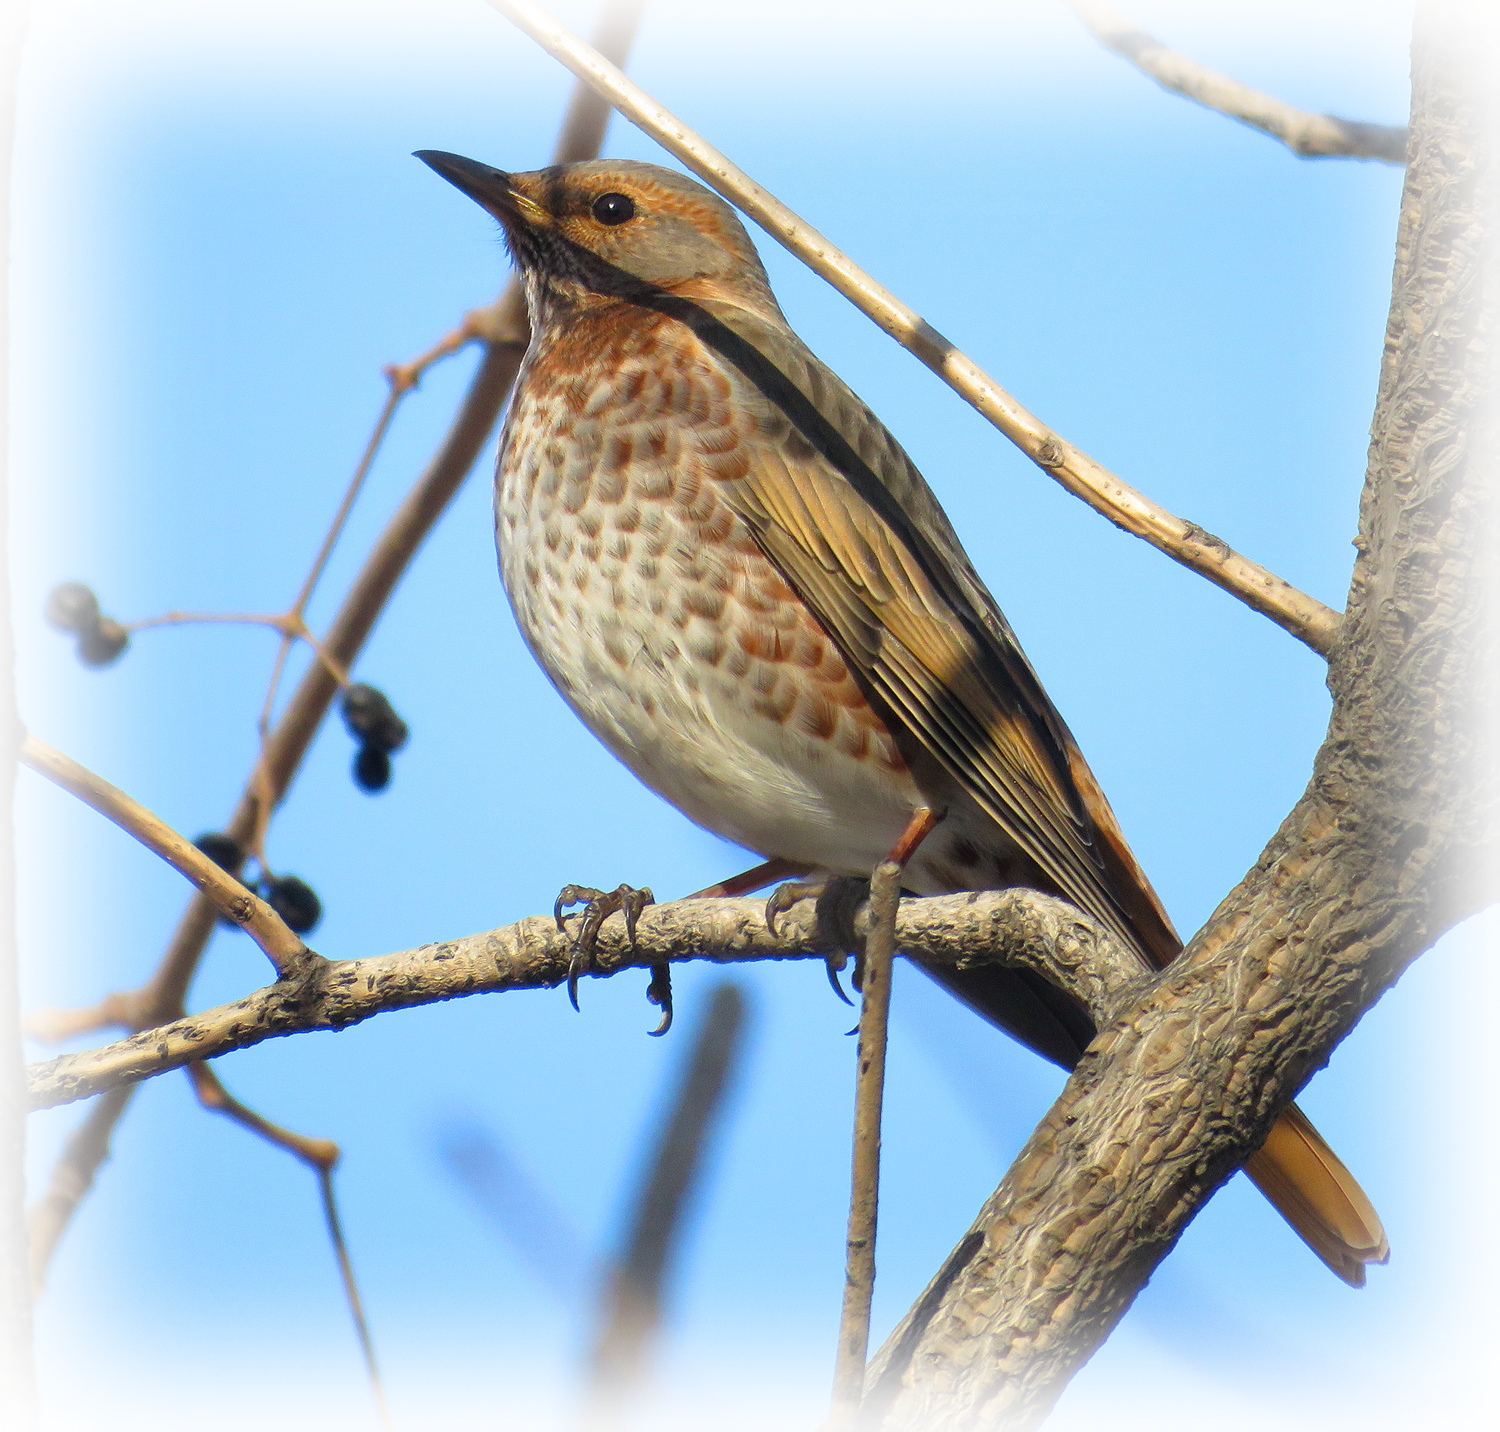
{"points": [[221, 240]]}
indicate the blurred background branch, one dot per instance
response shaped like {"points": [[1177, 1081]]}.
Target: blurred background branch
{"points": [[1313, 136], [637, 1285]]}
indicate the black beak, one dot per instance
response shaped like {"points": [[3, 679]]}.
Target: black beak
{"points": [[487, 187]]}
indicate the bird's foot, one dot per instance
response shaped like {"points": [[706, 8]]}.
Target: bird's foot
{"points": [[838, 900], [599, 905]]}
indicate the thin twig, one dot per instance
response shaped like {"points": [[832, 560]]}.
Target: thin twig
{"points": [[1020, 928], [351, 1291], [1313, 136], [398, 390], [285, 950], [503, 327], [403, 377], [296, 617], [864, 1199], [51, 1025], [322, 1157], [1303, 616], [292, 626], [275, 620]]}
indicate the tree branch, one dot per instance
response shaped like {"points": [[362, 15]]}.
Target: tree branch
{"points": [[1020, 927], [864, 1185], [322, 1157], [284, 949], [1313, 136], [1303, 616], [503, 327], [1394, 841]]}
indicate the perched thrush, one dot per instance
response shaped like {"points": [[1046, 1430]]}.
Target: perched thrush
{"points": [[739, 581]]}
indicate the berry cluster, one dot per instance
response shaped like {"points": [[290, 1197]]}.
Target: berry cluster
{"points": [[293, 899], [373, 722], [73, 607]]}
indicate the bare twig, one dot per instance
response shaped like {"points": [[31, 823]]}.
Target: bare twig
{"points": [[503, 328], [163, 997], [633, 1300], [403, 377], [400, 386], [291, 627], [869, 1098], [282, 947], [1303, 616], [50, 1025], [322, 1156], [518, 1207], [1313, 136], [351, 1292], [1017, 927], [275, 620]]}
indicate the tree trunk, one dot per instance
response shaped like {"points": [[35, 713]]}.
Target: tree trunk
{"points": [[1392, 843]]}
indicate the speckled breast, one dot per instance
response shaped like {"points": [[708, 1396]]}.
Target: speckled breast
{"points": [[649, 604]]}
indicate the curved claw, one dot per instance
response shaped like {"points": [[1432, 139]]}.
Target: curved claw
{"points": [[659, 993], [632, 902], [833, 964], [577, 967], [572, 895], [599, 906], [784, 896]]}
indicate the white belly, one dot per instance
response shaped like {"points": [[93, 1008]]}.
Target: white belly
{"points": [[647, 602]]}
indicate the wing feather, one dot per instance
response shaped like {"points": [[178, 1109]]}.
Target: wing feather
{"points": [[846, 517]]}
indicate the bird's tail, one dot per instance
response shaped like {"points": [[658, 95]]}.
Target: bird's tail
{"points": [[1301, 1176], [1308, 1185]]}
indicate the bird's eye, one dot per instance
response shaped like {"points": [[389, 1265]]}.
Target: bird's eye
{"points": [[614, 209]]}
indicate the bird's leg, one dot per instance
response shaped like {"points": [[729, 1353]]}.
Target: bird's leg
{"points": [[923, 822], [917, 830], [599, 906], [749, 881], [839, 898]]}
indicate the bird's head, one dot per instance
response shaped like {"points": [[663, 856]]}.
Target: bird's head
{"points": [[608, 229]]}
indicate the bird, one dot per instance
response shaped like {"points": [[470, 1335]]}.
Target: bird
{"points": [[737, 578]]}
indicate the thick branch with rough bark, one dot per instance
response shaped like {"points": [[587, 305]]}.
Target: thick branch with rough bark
{"points": [[1020, 927], [1393, 842]]}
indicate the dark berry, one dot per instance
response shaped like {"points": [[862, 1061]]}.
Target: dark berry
{"points": [[372, 769], [224, 850], [102, 643], [371, 718], [72, 607], [295, 901]]}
